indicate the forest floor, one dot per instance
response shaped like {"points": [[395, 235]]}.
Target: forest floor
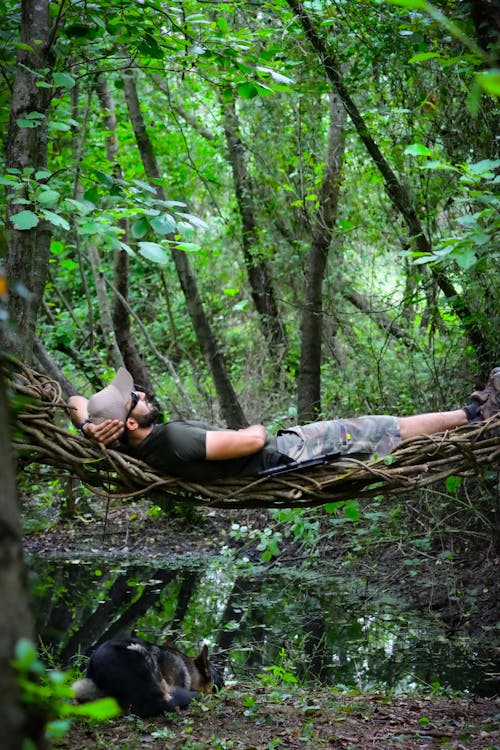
{"points": [[247, 716]]}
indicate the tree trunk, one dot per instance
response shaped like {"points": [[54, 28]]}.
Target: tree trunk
{"points": [[230, 406], [309, 380], [15, 616], [396, 191], [114, 356], [259, 275], [121, 314], [28, 250]]}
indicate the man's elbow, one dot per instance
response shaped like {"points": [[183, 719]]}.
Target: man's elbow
{"points": [[259, 437], [258, 444]]}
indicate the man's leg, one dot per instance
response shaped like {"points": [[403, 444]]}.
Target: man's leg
{"points": [[364, 436], [428, 424], [484, 404]]}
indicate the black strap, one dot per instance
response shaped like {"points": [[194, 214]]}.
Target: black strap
{"points": [[279, 459], [289, 464]]}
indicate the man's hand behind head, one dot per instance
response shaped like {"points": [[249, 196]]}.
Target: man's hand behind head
{"points": [[106, 433]]}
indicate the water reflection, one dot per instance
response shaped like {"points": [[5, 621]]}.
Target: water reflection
{"points": [[319, 628]]}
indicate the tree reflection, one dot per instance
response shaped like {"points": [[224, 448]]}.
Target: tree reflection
{"points": [[327, 630]]}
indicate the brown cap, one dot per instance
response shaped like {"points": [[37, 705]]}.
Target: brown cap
{"points": [[111, 402]]}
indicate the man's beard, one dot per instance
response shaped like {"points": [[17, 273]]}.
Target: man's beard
{"points": [[146, 420]]}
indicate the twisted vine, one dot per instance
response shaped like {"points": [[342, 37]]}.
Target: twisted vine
{"points": [[42, 437]]}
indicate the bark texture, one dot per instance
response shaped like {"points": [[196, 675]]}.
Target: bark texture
{"points": [[309, 380], [28, 250], [15, 616], [258, 271], [121, 314]]}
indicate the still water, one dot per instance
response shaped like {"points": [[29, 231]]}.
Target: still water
{"points": [[318, 628]]}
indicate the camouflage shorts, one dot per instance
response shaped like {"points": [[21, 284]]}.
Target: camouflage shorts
{"points": [[363, 436]]}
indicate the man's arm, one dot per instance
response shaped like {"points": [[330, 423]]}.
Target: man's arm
{"points": [[224, 444], [106, 433]]}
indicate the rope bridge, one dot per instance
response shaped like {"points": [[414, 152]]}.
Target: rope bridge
{"points": [[41, 437]]}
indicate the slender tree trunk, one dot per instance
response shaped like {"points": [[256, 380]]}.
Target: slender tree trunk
{"points": [[121, 314], [15, 616], [309, 380], [258, 271], [396, 191], [114, 356], [28, 250], [230, 406]]}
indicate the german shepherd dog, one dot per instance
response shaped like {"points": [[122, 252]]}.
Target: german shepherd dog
{"points": [[146, 679]]}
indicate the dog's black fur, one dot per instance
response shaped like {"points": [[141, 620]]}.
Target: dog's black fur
{"points": [[146, 679]]}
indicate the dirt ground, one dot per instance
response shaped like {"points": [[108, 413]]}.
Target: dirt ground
{"points": [[257, 720], [249, 716]]}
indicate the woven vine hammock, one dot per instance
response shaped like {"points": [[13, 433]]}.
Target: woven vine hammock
{"points": [[42, 437]]}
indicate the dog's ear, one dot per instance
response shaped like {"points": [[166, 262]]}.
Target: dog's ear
{"points": [[201, 663]]}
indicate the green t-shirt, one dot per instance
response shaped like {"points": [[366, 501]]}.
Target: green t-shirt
{"points": [[178, 448]]}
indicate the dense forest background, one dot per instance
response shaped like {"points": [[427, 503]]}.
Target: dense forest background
{"points": [[267, 211]]}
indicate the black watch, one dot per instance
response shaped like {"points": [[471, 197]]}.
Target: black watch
{"points": [[81, 430]]}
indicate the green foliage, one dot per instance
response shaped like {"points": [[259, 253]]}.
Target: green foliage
{"points": [[477, 234], [282, 106], [47, 693], [278, 676]]}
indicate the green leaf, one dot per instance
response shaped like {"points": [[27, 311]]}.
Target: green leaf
{"points": [[64, 80], [154, 252], [442, 165], [351, 510], [25, 653], [105, 708], [188, 247], [25, 220], [421, 56], [8, 182], [278, 77], [55, 219], [163, 224], [193, 220], [69, 265], [48, 196], [415, 4], [103, 178], [485, 167], [62, 127], [185, 229], [466, 258], [139, 228], [83, 207], [145, 186], [89, 227], [247, 90], [127, 248], [417, 149], [489, 80], [22, 123], [452, 484]]}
